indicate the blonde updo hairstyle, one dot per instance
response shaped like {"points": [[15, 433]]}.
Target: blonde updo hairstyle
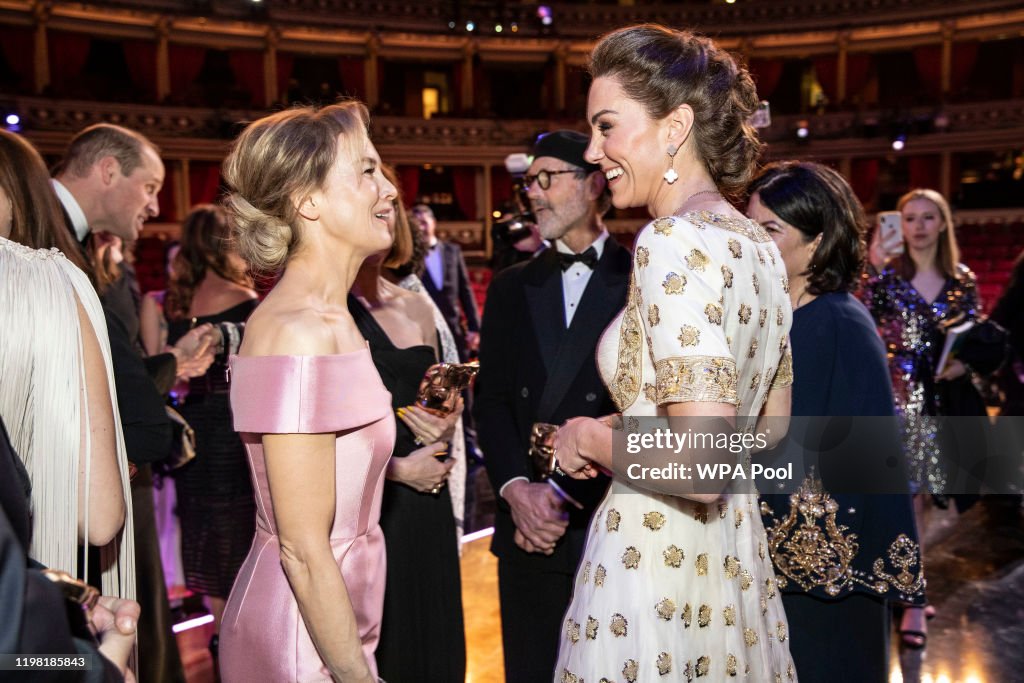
{"points": [[274, 164], [663, 68]]}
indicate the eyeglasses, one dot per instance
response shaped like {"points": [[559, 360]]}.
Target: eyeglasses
{"points": [[543, 178]]}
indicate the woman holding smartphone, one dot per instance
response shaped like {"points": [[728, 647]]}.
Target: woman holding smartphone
{"points": [[913, 298]]}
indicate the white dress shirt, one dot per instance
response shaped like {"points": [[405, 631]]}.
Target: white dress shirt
{"points": [[575, 279], [78, 220]]}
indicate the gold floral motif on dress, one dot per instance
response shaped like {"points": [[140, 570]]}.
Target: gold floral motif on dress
{"points": [[688, 336], [599, 575], [744, 313], [739, 518], [592, 627], [753, 278], [630, 670], [735, 248], [613, 519], [723, 510], [755, 381], [654, 520], [729, 615], [780, 630], [702, 564], [674, 283], [697, 260], [762, 317], [808, 546], [666, 609], [746, 580], [714, 314], [730, 665], [753, 348], [727, 276], [688, 671], [696, 378], [769, 586], [572, 631], [780, 316], [664, 664], [650, 392], [643, 257], [618, 626], [586, 572], [904, 555], [673, 557], [703, 665], [760, 259], [700, 512], [741, 226], [785, 284], [663, 226], [732, 567], [568, 677], [626, 385], [704, 616], [750, 637], [784, 375], [764, 605], [631, 558], [686, 615], [653, 315], [790, 673]]}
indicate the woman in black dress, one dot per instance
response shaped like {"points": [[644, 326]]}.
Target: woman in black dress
{"points": [[215, 498], [836, 596], [422, 636]]}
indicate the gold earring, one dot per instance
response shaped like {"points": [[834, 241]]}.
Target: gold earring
{"points": [[670, 175]]}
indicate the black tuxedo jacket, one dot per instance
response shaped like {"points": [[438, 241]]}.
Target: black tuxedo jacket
{"points": [[533, 369], [140, 403], [454, 292]]}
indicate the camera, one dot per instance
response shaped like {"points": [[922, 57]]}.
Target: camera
{"points": [[516, 222]]}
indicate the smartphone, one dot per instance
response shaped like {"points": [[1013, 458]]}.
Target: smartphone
{"points": [[890, 226]]}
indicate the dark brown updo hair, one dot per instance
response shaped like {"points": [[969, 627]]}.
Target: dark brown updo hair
{"points": [[206, 247], [662, 68], [275, 162]]}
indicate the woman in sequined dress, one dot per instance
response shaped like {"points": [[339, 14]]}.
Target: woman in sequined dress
{"points": [[912, 299]]}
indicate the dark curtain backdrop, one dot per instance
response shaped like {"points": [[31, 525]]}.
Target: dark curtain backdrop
{"points": [[353, 76], [67, 57], [18, 44], [203, 181], [247, 65], [766, 73], [185, 62], [409, 179], [464, 184], [141, 58]]}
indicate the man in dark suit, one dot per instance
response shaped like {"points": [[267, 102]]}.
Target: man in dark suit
{"points": [[447, 282], [541, 326], [108, 181]]}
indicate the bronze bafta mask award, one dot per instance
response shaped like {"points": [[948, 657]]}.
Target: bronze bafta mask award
{"points": [[542, 450], [442, 384]]}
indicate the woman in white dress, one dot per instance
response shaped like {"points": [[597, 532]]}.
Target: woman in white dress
{"points": [[674, 583]]}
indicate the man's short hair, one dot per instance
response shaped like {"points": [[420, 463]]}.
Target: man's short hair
{"points": [[422, 208], [105, 140]]}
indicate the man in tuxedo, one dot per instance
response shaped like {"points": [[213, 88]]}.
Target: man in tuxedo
{"points": [[447, 282], [108, 181], [540, 330]]}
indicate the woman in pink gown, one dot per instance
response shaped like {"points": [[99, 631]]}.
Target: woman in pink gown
{"points": [[308, 199]]}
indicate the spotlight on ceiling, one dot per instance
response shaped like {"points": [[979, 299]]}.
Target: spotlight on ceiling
{"points": [[544, 14], [498, 28], [470, 26], [802, 130], [12, 119], [899, 142]]}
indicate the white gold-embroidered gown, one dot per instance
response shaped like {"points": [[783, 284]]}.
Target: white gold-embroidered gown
{"points": [[670, 589]]}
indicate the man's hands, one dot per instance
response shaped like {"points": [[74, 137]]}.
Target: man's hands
{"points": [[114, 622], [571, 450], [195, 351], [539, 514], [421, 470]]}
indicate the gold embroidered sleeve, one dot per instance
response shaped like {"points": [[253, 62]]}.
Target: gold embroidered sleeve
{"points": [[784, 375], [686, 379]]}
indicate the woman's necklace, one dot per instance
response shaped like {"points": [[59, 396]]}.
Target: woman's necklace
{"points": [[686, 201]]}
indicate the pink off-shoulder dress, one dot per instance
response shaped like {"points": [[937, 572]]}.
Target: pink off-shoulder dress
{"points": [[263, 636]]}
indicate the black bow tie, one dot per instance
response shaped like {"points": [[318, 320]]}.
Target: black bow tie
{"points": [[587, 258]]}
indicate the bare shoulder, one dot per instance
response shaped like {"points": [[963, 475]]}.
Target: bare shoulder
{"points": [[281, 328]]}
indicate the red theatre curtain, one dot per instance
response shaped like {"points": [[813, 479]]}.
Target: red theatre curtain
{"points": [[864, 179], [766, 73], [185, 62], [141, 58], [353, 76], [203, 181], [858, 69], [68, 52], [965, 56], [826, 71], [285, 65], [464, 184], [501, 186], [18, 45], [925, 171], [928, 59], [247, 65], [409, 179]]}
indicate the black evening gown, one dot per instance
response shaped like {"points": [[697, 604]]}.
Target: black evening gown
{"points": [[216, 505], [422, 634]]}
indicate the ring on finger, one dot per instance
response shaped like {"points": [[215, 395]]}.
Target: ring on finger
{"points": [[418, 441]]}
